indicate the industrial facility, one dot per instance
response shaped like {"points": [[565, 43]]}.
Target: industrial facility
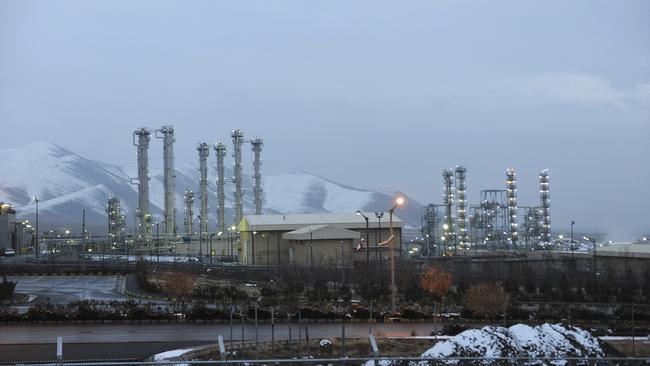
{"points": [[170, 236], [318, 240], [491, 225]]}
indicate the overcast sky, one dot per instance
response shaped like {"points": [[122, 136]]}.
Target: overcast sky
{"points": [[373, 94]]}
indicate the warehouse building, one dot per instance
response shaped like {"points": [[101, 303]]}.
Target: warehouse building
{"points": [[316, 240]]}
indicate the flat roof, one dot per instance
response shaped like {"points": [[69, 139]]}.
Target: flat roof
{"points": [[321, 232], [292, 222], [633, 250]]}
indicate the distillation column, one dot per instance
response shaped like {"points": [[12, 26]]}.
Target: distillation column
{"points": [[169, 175], [143, 214], [220, 150], [189, 213], [461, 188], [256, 146], [511, 192], [545, 207], [237, 141], [116, 220], [204, 152], [448, 201]]}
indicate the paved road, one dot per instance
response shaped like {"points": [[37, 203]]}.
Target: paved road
{"points": [[115, 333], [103, 341], [23, 353], [63, 289]]}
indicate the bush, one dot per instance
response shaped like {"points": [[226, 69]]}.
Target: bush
{"points": [[6, 288], [142, 273]]}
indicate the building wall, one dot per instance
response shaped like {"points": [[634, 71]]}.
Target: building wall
{"points": [[332, 253], [270, 248], [7, 229]]}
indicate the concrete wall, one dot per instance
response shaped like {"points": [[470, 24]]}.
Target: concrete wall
{"points": [[269, 248]]}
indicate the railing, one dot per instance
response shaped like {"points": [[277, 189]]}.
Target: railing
{"points": [[459, 361]]}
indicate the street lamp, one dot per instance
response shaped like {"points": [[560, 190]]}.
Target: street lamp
{"points": [[37, 242], [367, 237], [572, 223], [379, 216], [253, 246], [211, 236], [398, 202], [157, 243]]}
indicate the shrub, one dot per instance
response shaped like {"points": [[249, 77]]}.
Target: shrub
{"points": [[6, 288]]}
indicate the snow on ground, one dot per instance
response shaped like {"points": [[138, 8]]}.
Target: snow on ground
{"points": [[554, 341], [166, 356]]}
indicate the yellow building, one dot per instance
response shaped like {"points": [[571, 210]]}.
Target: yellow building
{"points": [[317, 240]]}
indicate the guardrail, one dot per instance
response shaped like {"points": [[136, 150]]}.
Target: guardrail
{"points": [[459, 361]]}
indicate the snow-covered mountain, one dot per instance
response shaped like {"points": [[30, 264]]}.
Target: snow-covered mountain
{"points": [[65, 183]]}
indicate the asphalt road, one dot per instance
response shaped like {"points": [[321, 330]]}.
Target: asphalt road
{"points": [[25, 353], [34, 342], [116, 333], [63, 289]]}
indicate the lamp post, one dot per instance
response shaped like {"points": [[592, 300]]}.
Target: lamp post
{"points": [[379, 216], [36, 241], [157, 243], [367, 237], [572, 223], [311, 250], [200, 237], [211, 236], [398, 202], [232, 244], [253, 247]]}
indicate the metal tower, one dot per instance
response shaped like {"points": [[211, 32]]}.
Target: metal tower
{"points": [[116, 221], [494, 218], [256, 146], [461, 207], [531, 226], [237, 141], [144, 136], [448, 200], [430, 218], [169, 175], [545, 207], [188, 198], [511, 192], [204, 152], [220, 150]]}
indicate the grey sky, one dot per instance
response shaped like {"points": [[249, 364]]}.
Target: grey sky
{"points": [[373, 94]]}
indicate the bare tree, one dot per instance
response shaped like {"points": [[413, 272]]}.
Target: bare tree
{"points": [[487, 299], [179, 286], [436, 282]]}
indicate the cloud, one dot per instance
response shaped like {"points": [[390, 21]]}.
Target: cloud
{"points": [[574, 89]]}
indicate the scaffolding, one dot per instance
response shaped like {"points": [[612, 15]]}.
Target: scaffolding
{"points": [[204, 152], [461, 208], [220, 150], [167, 133], [188, 199], [238, 203], [531, 228], [545, 207], [493, 217], [256, 147], [511, 188], [116, 221], [430, 220], [449, 235], [143, 214]]}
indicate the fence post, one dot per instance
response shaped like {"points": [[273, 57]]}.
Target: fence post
{"points": [[59, 350], [222, 348], [375, 350]]}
